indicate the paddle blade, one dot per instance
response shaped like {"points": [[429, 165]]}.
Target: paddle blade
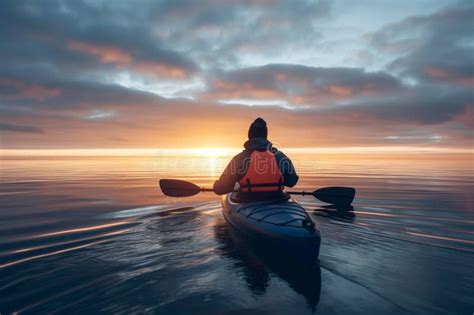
{"points": [[340, 196], [178, 188]]}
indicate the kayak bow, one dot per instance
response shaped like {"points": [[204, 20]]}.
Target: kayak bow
{"points": [[284, 223]]}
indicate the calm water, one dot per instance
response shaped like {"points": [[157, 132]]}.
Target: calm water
{"points": [[96, 235]]}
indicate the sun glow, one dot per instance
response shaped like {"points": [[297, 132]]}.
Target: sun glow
{"points": [[212, 152], [224, 152]]}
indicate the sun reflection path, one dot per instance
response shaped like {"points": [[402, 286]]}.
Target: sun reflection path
{"points": [[213, 154]]}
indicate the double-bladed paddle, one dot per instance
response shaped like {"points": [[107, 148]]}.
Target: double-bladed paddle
{"points": [[334, 195]]}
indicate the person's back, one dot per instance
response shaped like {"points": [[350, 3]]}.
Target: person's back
{"points": [[261, 170]]}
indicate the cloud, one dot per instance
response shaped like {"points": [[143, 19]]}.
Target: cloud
{"points": [[229, 34], [75, 37], [152, 121], [302, 85], [423, 106], [94, 113], [12, 88], [106, 54], [435, 48], [100, 115], [19, 128]]}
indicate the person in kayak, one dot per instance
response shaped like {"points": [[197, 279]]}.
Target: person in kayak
{"points": [[261, 170]]}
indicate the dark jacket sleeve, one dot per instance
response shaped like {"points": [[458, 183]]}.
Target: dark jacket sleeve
{"points": [[233, 173], [290, 178]]}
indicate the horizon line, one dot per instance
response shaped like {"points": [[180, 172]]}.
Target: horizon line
{"points": [[209, 151]]}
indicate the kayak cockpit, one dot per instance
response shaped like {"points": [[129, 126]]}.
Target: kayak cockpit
{"points": [[243, 197]]}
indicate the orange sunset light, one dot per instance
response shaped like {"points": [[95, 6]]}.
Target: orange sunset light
{"points": [[219, 152]]}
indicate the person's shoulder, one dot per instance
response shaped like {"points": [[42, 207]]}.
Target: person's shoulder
{"points": [[279, 154], [242, 155], [272, 149]]}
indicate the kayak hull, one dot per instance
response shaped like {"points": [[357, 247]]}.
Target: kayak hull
{"points": [[282, 225]]}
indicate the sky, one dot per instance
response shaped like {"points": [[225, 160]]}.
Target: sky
{"points": [[195, 74]]}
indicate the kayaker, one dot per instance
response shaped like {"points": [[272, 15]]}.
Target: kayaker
{"points": [[261, 170]]}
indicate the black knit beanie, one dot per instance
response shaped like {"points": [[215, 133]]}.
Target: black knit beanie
{"points": [[258, 129]]}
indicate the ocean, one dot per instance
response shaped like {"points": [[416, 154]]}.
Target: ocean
{"points": [[95, 234]]}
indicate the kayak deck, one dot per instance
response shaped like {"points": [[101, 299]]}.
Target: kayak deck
{"points": [[284, 221], [286, 213]]}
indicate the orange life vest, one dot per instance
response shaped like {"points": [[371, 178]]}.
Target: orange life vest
{"points": [[263, 173]]}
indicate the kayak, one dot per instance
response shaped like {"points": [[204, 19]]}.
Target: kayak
{"points": [[282, 222]]}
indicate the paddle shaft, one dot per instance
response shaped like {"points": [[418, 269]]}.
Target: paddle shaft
{"points": [[207, 189], [302, 193]]}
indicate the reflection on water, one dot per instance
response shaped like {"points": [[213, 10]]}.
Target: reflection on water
{"points": [[258, 261], [96, 235], [335, 212]]}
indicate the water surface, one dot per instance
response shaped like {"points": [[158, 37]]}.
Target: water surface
{"points": [[96, 235]]}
